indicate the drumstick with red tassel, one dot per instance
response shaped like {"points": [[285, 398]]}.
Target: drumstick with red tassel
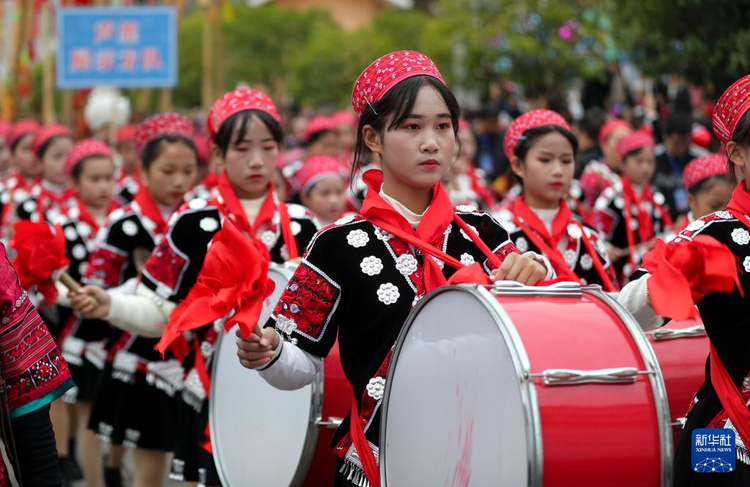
{"points": [[40, 258]]}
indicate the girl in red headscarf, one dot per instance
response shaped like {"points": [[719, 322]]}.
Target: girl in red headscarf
{"points": [[630, 214], [542, 150], [361, 277], [52, 197], [130, 409], [25, 170], [247, 137], [600, 175], [128, 172], [708, 265], [321, 185], [90, 166], [708, 185]]}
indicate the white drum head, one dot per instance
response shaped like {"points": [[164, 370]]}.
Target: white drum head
{"points": [[453, 411], [260, 435]]}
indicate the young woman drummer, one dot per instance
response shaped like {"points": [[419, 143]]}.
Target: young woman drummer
{"points": [[708, 264], [542, 149], [361, 277], [134, 405], [247, 137]]}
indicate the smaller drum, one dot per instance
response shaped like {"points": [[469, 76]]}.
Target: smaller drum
{"points": [[681, 348], [265, 436]]}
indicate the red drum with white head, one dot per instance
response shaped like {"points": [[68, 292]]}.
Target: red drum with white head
{"points": [[517, 386]]}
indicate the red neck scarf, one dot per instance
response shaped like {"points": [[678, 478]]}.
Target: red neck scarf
{"points": [[645, 225], [429, 234], [85, 216], [264, 219], [48, 199], [150, 209], [739, 205]]}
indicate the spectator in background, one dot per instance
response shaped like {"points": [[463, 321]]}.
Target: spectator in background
{"points": [[490, 157], [672, 155], [588, 135]]}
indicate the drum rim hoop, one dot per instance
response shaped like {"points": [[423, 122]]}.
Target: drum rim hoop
{"points": [[521, 363]]}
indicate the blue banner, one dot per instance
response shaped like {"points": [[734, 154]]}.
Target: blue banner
{"points": [[131, 47]]}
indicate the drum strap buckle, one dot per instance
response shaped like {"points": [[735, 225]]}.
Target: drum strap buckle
{"points": [[571, 377], [671, 333]]}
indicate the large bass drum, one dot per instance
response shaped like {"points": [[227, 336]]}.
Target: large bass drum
{"points": [[682, 349], [524, 386], [263, 436]]}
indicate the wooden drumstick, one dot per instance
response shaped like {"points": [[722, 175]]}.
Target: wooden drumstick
{"points": [[73, 286]]}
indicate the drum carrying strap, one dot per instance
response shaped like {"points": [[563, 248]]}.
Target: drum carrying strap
{"points": [[730, 397]]}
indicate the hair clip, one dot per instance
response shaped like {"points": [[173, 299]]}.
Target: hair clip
{"points": [[370, 104], [519, 137]]}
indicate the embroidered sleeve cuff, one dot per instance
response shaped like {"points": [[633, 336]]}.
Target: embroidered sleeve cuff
{"points": [[634, 298], [551, 274]]}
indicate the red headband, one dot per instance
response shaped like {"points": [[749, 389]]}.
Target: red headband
{"points": [[21, 128], [318, 124], [5, 128], [160, 125], [634, 141], [82, 150], [387, 72], [126, 133], [238, 101], [609, 127], [703, 168], [730, 108], [529, 120], [315, 168], [46, 133]]}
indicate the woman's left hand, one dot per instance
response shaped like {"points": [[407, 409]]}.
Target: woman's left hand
{"points": [[519, 268]]}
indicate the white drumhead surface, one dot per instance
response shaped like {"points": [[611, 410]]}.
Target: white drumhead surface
{"points": [[258, 432], [455, 416]]}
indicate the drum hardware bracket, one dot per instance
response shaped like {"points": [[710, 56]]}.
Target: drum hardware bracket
{"points": [[332, 423], [671, 333], [679, 423], [512, 288], [565, 377]]}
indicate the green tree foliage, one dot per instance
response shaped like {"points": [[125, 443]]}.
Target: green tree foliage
{"points": [[708, 41]]}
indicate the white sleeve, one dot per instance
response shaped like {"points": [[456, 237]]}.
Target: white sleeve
{"points": [[291, 368], [634, 298], [62, 295], [143, 313]]}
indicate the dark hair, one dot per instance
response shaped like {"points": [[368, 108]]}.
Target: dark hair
{"points": [[532, 134], [706, 184], [631, 153], [316, 136], [394, 108], [45, 147], [679, 123], [18, 140], [592, 122], [223, 136], [155, 147], [78, 168], [741, 137]]}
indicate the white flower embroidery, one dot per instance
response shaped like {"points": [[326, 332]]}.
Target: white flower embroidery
{"points": [[357, 238], [29, 206], [388, 293], [197, 203], [209, 224], [82, 268], [268, 238], [746, 264], [574, 231], [522, 244], [344, 220], [284, 252], [619, 203], [659, 199], [406, 264], [570, 258], [466, 208], [473, 229], [376, 387], [416, 300], [634, 224], [696, 225], [295, 227], [741, 236], [285, 325], [129, 228], [724, 215], [84, 229], [587, 262], [439, 262], [371, 265], [79, 252], [382, 234], [467, 259], [70, 234], [296, 211]]}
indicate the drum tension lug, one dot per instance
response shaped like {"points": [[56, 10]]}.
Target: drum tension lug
{"points": [[566, 377], [332, 423]]}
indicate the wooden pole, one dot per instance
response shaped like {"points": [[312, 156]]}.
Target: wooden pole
{"points": [[219, 49], [14, 58], [48, 92], [207, 97]]}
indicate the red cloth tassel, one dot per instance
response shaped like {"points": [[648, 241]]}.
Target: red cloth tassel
{"points": [[40, 249], [681, 274]]}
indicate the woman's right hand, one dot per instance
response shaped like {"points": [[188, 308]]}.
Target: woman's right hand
{"points": [[92, 302], [255, 351]]}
